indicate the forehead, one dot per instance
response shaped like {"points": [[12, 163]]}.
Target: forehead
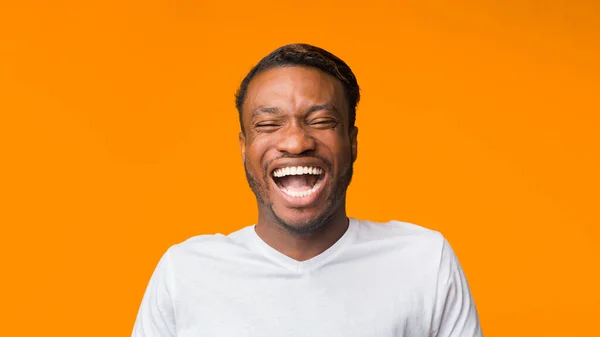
{"points": [[293, 88]]}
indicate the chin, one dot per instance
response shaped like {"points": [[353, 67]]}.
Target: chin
{"points": [[302, 224]]}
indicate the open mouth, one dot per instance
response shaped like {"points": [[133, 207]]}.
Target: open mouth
{"points": [[298, 181]]}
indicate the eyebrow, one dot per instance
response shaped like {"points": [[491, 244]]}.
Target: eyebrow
{"points": [[276, 110], [325, 106], [267, 110]]}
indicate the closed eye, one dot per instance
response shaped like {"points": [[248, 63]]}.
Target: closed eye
{"points": [[324, 122], [266, 126]]}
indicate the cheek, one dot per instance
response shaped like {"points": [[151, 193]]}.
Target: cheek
{"points": [[256, 151], [339, 148]]}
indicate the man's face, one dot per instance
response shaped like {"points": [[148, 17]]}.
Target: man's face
{"points": [[297, 147]]}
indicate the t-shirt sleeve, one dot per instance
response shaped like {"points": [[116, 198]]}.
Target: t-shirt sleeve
{"points": [[155, 316], [455, 313]]}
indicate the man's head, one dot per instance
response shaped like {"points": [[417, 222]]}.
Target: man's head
{"points": [[297, 109]]}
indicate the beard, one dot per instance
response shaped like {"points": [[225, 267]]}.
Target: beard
{"points": [[335, 200]]}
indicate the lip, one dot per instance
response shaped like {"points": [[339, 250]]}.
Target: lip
{"points": [[297, 162], [298, 202]]}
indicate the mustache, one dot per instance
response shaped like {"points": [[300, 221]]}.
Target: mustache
{"points": [[324, 160]]}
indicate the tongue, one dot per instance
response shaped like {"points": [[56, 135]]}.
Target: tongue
{"points": [[298, 183]]}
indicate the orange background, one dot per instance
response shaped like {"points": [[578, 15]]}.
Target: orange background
{"points": [[118, 138]]}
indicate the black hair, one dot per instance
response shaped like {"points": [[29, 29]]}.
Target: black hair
{"points": [[306, 55]]}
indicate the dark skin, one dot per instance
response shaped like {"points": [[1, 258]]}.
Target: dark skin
{"points": [[298, 116]]}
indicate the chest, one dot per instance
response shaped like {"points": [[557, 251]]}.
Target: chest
{"points": [[357, 302]]}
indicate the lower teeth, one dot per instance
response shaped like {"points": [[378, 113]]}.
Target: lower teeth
{"points": [[303, 193]]}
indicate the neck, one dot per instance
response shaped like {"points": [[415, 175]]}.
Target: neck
{"points": [[302, 247]]}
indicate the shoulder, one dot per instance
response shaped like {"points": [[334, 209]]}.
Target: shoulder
{"points": [[209, 246], [401, 240], [397, 230]]}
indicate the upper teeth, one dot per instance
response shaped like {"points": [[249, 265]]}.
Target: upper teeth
{"points": [[297, 170]]}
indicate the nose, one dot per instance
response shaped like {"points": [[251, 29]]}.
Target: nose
{"points": [[295, 140]]}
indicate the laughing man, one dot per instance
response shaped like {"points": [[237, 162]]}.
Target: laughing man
{"points": [[305, 268]]}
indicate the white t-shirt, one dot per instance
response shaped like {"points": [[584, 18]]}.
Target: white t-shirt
{"points": [[378, 280]]}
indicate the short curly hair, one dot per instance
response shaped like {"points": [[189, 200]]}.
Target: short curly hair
{"points": [[301, 54]]}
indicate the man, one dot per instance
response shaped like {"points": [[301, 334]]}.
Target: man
{"points": [[305, 268]]}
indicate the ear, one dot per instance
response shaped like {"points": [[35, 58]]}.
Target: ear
{"points": [[242, 140], [354, 142]]}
